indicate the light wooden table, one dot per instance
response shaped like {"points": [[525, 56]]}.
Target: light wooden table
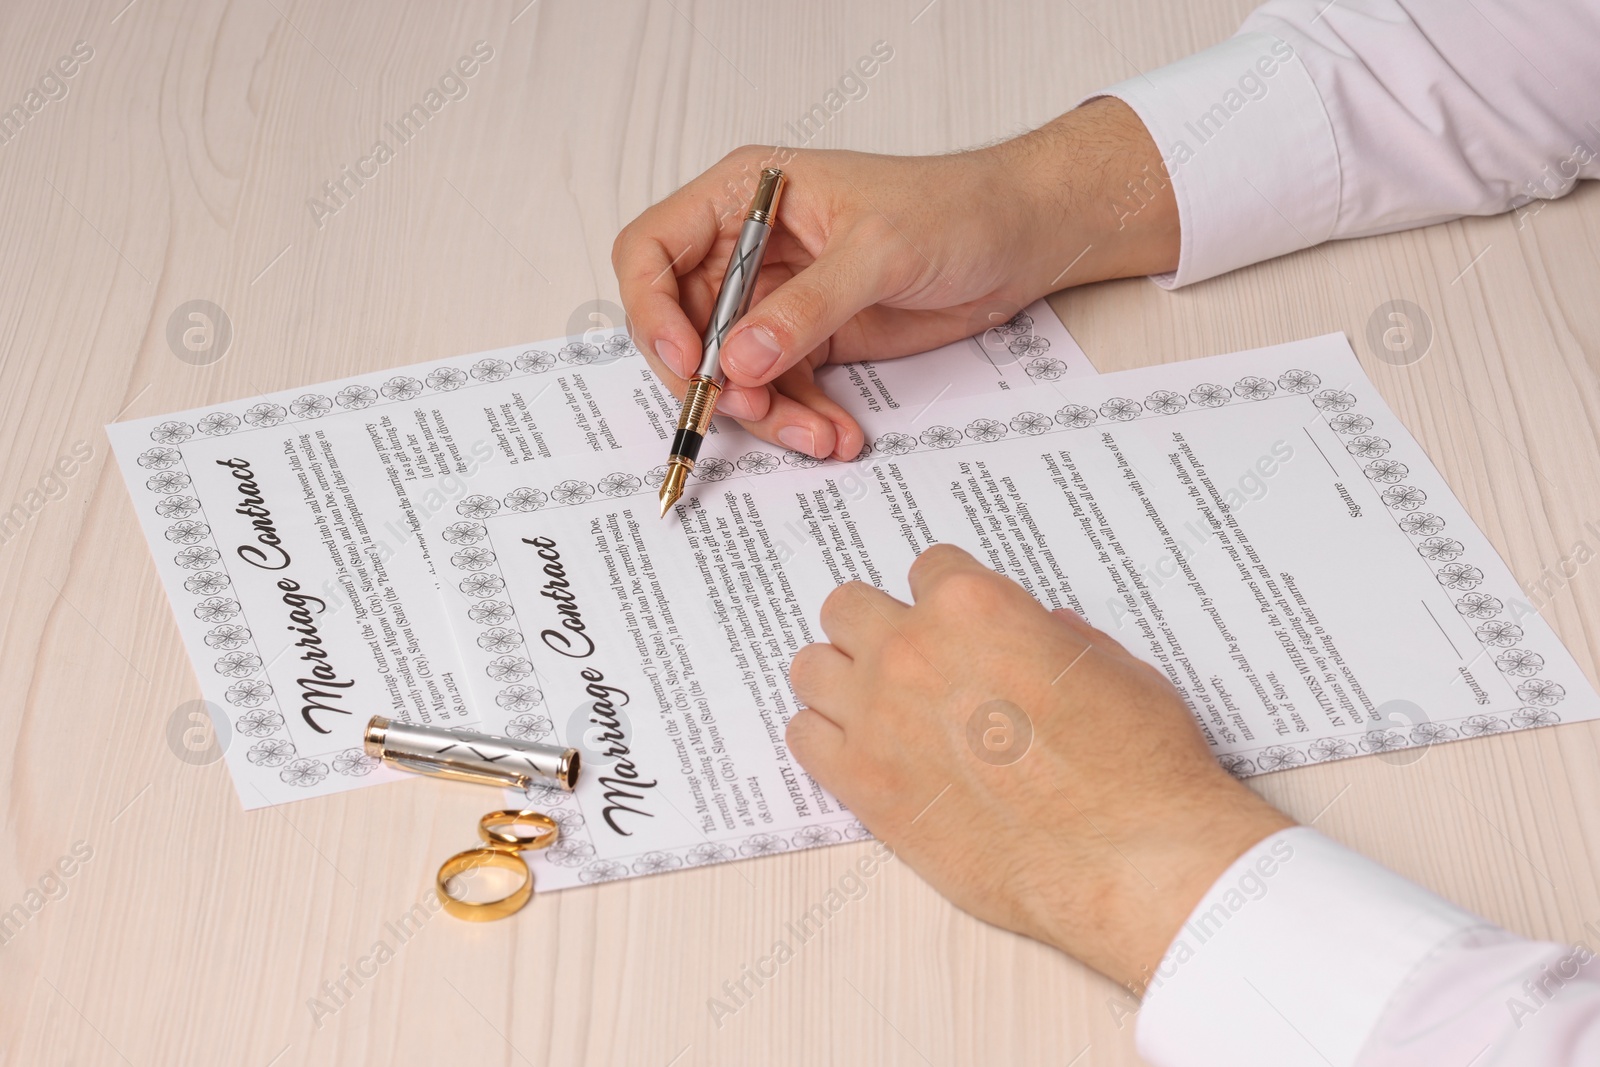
{"points": [[178, 166]]}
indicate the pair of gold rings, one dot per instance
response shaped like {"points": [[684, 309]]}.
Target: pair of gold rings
{"points": [[501, 848]]}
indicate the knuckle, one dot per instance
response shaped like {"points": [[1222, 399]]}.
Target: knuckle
{"points": [[797, 735], [815, 296], [970, 589], [855, 592], [834, 606], [747, 156], [800, 736], [796, 312], [624, 246], [933, 557], [941, 551], [630, 230], [802, 670]]}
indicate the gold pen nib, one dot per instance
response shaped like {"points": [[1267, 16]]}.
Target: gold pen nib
{"points": [[672, 485]]}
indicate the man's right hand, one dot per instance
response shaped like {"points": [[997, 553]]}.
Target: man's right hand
{"points": [[876, 257]]}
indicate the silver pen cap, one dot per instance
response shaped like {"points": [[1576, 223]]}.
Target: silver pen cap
{"points": [[470, 757]]}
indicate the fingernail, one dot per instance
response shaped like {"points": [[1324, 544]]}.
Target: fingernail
{"points": [[752, 352], [672, 356], [842, 441], [800, 439], [735, 404]]}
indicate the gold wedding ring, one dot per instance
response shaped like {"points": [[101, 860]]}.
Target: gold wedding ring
{"points": [[503, 843], [471, 860], [498, 828]]}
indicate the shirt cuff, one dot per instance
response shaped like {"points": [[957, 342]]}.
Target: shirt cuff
{"points": [[1249, 150], [1291, 958]]}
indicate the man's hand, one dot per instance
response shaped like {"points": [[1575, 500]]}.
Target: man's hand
{"points": [[881, 256], [1023, 762]]}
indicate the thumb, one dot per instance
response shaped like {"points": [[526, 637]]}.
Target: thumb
{"points": [[799, 316]]}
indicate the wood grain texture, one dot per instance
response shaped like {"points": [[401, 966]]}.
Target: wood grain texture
{"points": [[178, 166]]}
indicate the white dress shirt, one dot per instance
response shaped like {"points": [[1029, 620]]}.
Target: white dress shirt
{"points": [[1338, 119], [1305, 954], [1355, 117]]}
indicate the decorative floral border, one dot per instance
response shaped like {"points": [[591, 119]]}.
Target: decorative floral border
{"points": [[479, 575], [260, 715], [1020, 340], [575, 848]]}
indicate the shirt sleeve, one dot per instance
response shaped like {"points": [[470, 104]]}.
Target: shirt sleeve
{"points": [[1305, 954], [1348, 118]]}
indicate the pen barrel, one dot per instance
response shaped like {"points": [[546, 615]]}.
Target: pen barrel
{"points": [[733, 300], [463, 755], [737, 292]]}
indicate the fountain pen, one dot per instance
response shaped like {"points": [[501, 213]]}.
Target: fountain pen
{"points": [[733, 300]]}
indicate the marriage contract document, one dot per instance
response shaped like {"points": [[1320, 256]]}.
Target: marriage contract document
{"points": [[283, 526], [1258, 526]]}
